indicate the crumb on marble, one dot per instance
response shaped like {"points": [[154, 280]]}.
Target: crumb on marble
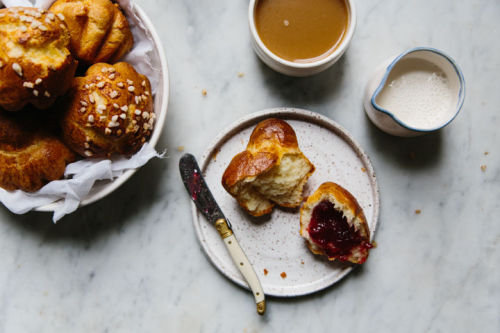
{"points": [[302, 262], [374, 244], [283, 275], [241, 74], [486, 152], [265, 271], [180, 148], [204, 92], [418, 211], [363, 169], [483, 168]]}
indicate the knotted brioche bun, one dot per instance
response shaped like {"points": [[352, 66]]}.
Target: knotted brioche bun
{"points": [[333, 224], [272, 170], [36, 65], [30, 154], [99, 30], [108, 111]]}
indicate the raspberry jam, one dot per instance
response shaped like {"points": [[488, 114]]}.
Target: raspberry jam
{"points": [[329, 229]]}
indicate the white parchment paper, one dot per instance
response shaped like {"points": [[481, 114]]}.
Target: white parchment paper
{"points": [[81, 175]]}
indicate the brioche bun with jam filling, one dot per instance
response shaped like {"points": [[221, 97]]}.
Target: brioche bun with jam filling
{"points": [[36, 65], [333, 224], [272, 170]]}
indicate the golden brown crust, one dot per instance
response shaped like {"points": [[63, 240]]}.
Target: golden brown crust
{"points": [[99, 30], [273, 135], [351, 209], [36, 65], [108, 111], [30, 156], [269, 141], [246, 164]]}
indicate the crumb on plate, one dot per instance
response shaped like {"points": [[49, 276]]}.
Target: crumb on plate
{"points": [[180, 148], [283, 275], [265, 271], [418, 211], [483, 168]]}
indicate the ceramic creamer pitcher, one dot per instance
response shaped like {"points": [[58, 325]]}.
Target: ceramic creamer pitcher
{"points": [[417, 92]]}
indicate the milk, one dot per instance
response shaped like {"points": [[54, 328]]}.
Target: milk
{"points": [[418, 93]]}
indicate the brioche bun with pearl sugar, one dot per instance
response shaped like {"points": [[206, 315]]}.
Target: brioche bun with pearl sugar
{"points": [[108, 111], [36, 65]]}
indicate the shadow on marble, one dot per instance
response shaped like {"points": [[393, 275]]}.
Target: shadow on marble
{"points": [[108, 215], [305, 90], [410, 153]]}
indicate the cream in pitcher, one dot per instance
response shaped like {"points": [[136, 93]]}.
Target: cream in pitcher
{"points": [[420, 91]]}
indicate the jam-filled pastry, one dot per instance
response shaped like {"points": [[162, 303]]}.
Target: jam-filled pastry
{"points": [[333, 224], [272, 170]]}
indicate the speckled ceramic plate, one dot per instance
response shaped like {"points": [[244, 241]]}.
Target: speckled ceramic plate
{"points": [[279, 255]]}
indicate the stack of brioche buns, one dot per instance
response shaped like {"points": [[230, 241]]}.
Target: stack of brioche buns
{"points": [[48, 116]]}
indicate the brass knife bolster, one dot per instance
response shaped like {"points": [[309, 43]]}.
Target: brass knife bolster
{"points": [[223, 228], [261, 307]]}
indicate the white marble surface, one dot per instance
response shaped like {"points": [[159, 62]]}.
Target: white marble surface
{"points": [[131, 262]]}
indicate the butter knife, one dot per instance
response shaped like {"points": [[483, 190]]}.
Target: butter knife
{"points": [[203, 199]]}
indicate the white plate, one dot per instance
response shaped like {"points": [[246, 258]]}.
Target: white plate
{"points": [[273, 242], [104, 187]]}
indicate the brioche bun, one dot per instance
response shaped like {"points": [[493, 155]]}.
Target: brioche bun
{"points": [[272, 170]]}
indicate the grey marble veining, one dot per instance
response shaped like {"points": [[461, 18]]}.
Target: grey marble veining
{"points": [[132, 263]]}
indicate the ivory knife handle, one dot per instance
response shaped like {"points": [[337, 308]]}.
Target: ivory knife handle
{"points": [[241, 261]]}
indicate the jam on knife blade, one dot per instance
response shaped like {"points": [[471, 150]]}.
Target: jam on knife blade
{"points": [[198, 189]]}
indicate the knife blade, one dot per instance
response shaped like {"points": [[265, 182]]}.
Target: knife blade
{"points": [[202, 197], [198, 190]]}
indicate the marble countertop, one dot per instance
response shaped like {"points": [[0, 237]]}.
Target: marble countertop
{"points": [[132, 263]]}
